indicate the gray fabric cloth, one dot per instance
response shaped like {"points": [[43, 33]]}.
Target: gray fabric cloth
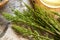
{"points": [[13, 4]]}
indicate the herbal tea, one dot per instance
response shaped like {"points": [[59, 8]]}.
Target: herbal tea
{"points": [[51, 3]]}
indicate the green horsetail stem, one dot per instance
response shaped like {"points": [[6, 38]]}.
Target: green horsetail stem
{"points": [[38, 18], [27, 32]]}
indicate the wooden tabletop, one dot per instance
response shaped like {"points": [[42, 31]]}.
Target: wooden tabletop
{"points": [[38, 2]]}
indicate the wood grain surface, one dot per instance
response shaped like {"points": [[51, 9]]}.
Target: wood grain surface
{"points": [[38, 2], [3, 3]]}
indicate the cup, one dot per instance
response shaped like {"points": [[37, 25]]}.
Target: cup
{"points": [[51, 3]]}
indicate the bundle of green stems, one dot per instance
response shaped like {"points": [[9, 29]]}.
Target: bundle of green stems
{"points": [[38, 20]]}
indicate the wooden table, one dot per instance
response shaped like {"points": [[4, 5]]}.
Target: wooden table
{"points": [[41, 4]]}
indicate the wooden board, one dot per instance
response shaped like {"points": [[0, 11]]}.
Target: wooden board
{"points": [[38, 2]]}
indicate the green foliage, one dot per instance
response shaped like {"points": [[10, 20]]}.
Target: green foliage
{"points": [[26, 32], [39, 19]]}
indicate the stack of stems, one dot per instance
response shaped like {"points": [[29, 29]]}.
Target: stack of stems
{"points": [[38, 18], [28, 32]]}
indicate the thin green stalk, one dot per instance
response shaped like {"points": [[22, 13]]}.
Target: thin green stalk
{"points": [[28, 33]]}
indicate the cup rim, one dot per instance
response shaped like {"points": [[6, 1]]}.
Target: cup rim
{"points": [[50, 6]]}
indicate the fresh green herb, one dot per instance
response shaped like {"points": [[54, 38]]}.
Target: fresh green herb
{"points": [[39, 19], [26, 32]]}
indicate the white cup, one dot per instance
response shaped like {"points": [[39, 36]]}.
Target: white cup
{"points": [[51, 3]]}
